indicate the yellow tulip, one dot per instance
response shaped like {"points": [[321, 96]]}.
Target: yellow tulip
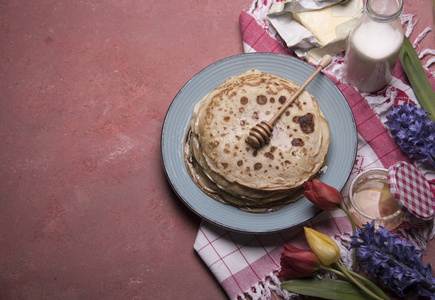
{"points": [[323, 246]]}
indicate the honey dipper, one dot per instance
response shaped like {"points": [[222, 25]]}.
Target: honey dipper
{"points": [[259, 135]]}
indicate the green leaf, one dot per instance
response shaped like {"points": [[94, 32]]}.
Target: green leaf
{"points": [[325, 288], [417, 77]]}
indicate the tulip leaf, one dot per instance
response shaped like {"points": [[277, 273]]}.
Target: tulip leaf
{"points": [[325, 288], [417, 77]]}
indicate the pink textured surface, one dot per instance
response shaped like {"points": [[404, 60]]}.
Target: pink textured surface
{"points": [[85, 209]]}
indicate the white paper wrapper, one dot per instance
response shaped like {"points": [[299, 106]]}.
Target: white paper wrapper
{"points": [[301, 5], [314, 28], [294, 34]]}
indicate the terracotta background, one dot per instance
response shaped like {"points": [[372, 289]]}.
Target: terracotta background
{"points": [[85, 209]]}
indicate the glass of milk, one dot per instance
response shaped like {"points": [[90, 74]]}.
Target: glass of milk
{"points": [[374, 44]]}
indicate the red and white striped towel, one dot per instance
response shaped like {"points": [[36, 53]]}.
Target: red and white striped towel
{"points": [[246, 264]]}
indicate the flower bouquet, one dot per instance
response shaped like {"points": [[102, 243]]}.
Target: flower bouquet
{"points": [[384, 255]]}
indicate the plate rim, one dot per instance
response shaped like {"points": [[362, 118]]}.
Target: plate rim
{"points": [[197, 75]]}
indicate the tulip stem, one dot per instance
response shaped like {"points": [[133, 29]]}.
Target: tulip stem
{"points": [[322, 267], [369, 283], [351, 273], [352, 222], [359, 284], [347, 212]]}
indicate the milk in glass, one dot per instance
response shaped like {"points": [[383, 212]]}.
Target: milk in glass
{"points": [[374, 44]]}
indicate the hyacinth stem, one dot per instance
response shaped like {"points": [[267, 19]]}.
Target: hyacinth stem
{"points": [[374, 294], [352, 222]]}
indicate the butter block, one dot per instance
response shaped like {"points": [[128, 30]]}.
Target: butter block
{"points": [[331, 23]]}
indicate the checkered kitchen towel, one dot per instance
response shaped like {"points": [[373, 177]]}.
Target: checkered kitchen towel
{"points": [[247, 264]]}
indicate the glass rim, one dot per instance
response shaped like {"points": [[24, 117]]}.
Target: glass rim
{"points": [[383, 17]]}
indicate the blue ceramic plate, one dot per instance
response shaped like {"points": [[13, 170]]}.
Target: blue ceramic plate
{"points": [[340, 157]]}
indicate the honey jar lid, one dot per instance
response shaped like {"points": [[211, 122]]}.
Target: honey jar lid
{"points": [[412, 191]]}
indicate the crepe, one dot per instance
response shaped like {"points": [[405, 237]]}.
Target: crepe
{"points": [[226, 167]]}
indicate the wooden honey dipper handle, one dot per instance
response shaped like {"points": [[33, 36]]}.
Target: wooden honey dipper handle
{"points": [[259, 135], [326, 60]]}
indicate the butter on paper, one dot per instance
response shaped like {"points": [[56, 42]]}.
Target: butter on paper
{"points": [[313, 32]]}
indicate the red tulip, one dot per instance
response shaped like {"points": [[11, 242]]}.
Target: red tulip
{"points": [[322, 195], [297, 263]]}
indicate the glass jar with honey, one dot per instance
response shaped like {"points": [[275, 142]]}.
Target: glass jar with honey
{"points": [[371, 200], [390, 196]]}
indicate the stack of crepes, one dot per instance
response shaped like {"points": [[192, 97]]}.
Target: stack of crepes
{"points": [[245, 265], [232, 171]]}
